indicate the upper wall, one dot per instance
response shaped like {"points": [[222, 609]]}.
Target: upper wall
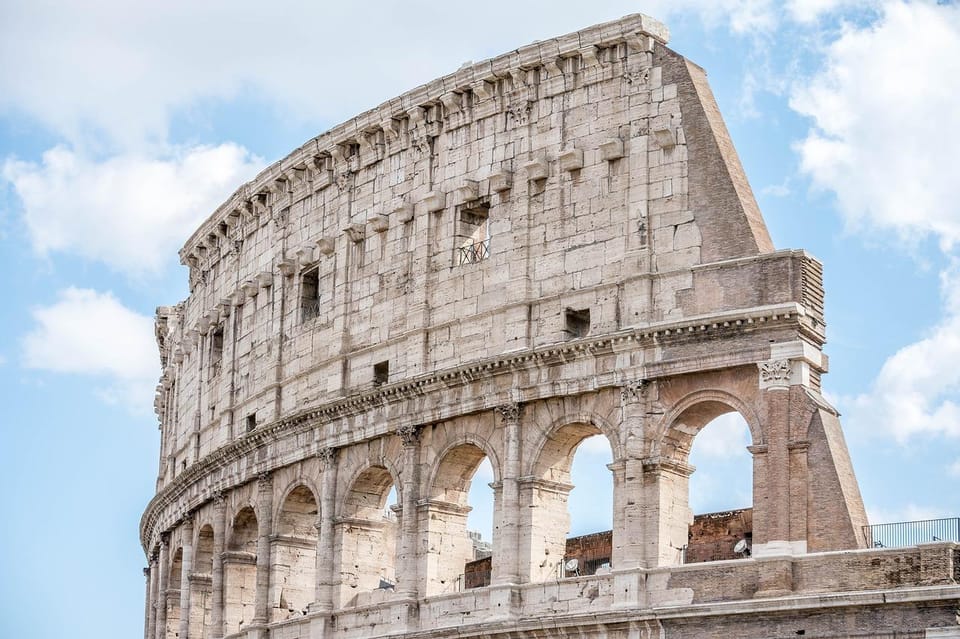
{"points": [[577, 186]]}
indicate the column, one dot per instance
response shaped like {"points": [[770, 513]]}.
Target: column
{"points": [[161, 598], [185, 570], [407, 581], [154, 584], [771, 500], [326, 566], [264, 528], [216, 572], [148, 602], [629, 509], [506, 553]]}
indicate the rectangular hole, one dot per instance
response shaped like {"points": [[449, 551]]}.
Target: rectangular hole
{"points": [[381, 373], [577, 322]]}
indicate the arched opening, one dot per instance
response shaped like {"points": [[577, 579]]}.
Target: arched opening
{"points": [[294, 555], [458, 557], [368, 535], [569, 532], [240, 572], [708, 476], [201, 584], [721, 491], [172, 630]]}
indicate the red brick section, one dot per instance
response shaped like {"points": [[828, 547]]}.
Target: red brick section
{"points": [[713, 536]]}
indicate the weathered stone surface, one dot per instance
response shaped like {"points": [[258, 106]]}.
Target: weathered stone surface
{"points": [[553, 244]]}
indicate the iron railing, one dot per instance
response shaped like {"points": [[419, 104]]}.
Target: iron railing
{"points": [[911, 533], [310, 309], [473, 253]]}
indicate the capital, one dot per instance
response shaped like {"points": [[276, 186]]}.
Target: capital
{"points": [[410, 434], [265, 481], [635, 390], [327, 457], [510, 412]]}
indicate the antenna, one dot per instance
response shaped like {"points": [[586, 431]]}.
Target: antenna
{"points": [[572, 565]]}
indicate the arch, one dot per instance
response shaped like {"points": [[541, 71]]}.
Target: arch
{"points": [[201, 599], [294, 484], [701, 407], [367, 534], [293, 553], [383, 464], [545, 491], [172, 629], [561, 438], [449, 546], [240, 570], [465, 439]]}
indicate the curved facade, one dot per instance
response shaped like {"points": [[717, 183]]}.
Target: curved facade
{"points": [[553, 244]]}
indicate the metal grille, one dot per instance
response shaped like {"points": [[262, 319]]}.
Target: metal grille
{"points": [[311, 309], [473, 253], [911, 533]]}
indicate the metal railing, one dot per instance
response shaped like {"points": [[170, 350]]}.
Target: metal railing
{"points": [[473, 253], [911, 533], [310, 309]]}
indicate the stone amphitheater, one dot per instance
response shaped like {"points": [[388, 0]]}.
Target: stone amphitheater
{"points": [[553, 244]]}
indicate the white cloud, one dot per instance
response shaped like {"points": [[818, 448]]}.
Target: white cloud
{"points": [[806, 11], [725, 437], [885, 129], [112, 73], [89, 333], [129, 211], [886, 124], [954, 468], [917, 391]]}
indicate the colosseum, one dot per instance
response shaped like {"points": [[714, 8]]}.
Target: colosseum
{"points": [[550, 245]]}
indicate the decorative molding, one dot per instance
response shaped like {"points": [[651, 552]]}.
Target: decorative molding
{"points": [[410, 434], [635, 390], [327, 457], [775, 371], [510, 412]]}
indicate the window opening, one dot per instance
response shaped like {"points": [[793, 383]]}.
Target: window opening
{"points": [[577, 322], [473, 233], [216, 351], [251, 421], [310, 295], [381, 373]]}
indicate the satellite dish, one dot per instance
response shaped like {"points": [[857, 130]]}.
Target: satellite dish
{"points": [[742, 547], [572, 565]]}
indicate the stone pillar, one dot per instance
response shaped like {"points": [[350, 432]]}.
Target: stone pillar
{"points": [[326, 566], [186, 567], [507, 501], [216, 572], [772, 468], [629, 509], [161, 599], [152, 601], [665, 490], [264, 529], [147, 604], [545, 526], [408, 563]]}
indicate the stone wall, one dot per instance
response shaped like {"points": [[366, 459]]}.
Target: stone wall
{"points": [[550, 245]]}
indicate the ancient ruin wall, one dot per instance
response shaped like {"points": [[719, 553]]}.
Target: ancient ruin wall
{"points": [[553, 244]]}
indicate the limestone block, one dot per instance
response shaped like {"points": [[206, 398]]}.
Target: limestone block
{"points": [[571, 159], [435, 201], [611, 149], [536, 169]]}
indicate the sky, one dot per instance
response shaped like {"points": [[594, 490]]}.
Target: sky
{"points": [[124, 124]]}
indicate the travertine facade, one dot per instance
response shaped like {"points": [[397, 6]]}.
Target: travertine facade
{"points": [[556, 243]]}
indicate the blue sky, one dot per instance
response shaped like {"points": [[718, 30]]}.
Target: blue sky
{"points": [[123, 125]]}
